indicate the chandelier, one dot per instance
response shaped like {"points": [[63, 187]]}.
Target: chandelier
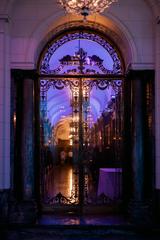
{"points": [[85, 7]]}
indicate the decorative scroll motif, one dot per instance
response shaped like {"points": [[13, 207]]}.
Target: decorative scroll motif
{"points": [[92, 61], [100, 200], [59, 84], [102, 84], [59, 199], [45, 68]]}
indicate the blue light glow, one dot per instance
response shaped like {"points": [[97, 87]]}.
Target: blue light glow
{"points": [[92, 48], [59, 101]]}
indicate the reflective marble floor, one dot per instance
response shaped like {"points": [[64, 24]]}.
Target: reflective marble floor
{"points": [[34, 234], [59, 179], [52, 227], [82, 220]]}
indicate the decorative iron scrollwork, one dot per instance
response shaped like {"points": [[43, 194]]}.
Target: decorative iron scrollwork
{"points": [[101, 84], [45, 62], [59, 84], [59, 199], [89, 78]]}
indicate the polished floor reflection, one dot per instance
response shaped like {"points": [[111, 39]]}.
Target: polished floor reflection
{"points": [[82, 220], [59, 180], [61, 227], [81, 233], [103, 186]]}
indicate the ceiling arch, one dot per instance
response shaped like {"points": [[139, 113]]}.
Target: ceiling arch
{"points": [[117, 37], [116, 23]]}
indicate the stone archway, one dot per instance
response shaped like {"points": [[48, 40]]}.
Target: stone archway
{"points": [[142, 91], [139, 134], [110, 27]]}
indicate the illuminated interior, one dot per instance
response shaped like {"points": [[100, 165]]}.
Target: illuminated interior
{"points": [[60, 117]]}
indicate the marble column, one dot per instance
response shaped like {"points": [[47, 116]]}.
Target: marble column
{"points": [[141, 142], [4, 105], [137, 138], [4, 113], [27, 153], [16, 129], [24, 155], [157, 116]]}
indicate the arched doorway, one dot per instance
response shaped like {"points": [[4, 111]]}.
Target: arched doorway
{"points": [[81, 75], [91, 90]]}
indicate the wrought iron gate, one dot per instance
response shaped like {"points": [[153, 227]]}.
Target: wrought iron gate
{"points": [[81, 80]]}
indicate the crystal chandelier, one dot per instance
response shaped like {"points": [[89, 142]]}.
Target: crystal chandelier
{"points": [[85, 7]]}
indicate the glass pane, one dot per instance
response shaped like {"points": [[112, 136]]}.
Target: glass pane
{"points": [[81, 142], [103, 152], [57, 168]]}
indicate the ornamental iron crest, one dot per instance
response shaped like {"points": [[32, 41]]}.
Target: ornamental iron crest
{"points": [[45, 62]]}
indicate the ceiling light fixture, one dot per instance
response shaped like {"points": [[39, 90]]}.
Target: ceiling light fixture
{"points": [[85, 7]]}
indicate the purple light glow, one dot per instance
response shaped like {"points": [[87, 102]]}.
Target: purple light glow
{"points": [[58, 103], [92, 48]]}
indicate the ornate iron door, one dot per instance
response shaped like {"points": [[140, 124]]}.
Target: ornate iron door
{"points": [[71, 161]]}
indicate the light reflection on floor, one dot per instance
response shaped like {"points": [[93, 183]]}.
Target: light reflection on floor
{"points": [[59, 179], [79, 233], [56, 227], [82, 220]]}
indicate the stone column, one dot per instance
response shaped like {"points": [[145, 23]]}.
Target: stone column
{"points": [[27, 152], [4, 114], [137, 138], [24, 156], [141, 142], [157, 122], [16, 130]]}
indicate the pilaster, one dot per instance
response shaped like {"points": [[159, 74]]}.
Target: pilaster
{"points": [[4, 117], [5, 81], [23, 205], [140, 138], [157, 120]]}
